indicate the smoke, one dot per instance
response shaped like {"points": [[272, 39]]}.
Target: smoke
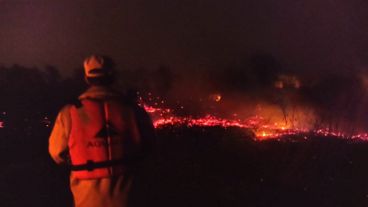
{"points": [[340, 101], [260, 86]]}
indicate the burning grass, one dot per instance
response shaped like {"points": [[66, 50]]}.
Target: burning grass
{"points": [[267, 121]]}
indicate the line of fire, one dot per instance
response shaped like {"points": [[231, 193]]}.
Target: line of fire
{"points": [[284, 116]]}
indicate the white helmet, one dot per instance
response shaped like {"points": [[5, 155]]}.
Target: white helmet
{"points": [[96, 66]]}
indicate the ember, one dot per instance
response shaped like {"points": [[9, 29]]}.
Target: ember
{"points": [[263, 125]]}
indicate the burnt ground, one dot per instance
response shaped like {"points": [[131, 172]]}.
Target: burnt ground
{"points": [[203, 167]]}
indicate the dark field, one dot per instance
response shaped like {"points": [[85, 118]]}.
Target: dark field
{"points": [[203, 167]]}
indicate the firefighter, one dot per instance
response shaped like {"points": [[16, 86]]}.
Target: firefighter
{"points": [[101, 136]]}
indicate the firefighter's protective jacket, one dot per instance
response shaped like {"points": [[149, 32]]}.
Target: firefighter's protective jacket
{"points": [[101, 136]]}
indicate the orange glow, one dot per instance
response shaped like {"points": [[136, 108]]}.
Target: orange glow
{"points": [[216, 97], [262, 128], [287, 81], [268, 122], [279, 84]]}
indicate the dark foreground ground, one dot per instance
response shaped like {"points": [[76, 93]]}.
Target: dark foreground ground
{"points": [[203, 167]]}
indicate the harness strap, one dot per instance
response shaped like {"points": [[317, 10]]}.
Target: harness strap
{"points": [[91, 165]]}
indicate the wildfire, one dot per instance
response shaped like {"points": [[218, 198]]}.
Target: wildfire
{"points": [[262, 126], [267, 122], [163, 117]]}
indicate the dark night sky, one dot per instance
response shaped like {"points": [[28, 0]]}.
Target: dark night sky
{"points": [[308, 35]]}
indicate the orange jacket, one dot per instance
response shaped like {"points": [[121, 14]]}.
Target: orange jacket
{"points": [[103, 133], [103, 128]]}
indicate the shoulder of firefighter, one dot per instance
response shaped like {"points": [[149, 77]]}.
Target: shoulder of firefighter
{"points": [[101, 134]]}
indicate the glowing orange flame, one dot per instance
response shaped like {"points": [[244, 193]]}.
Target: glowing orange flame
{"points": [[216, 97], [263, 129]]}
